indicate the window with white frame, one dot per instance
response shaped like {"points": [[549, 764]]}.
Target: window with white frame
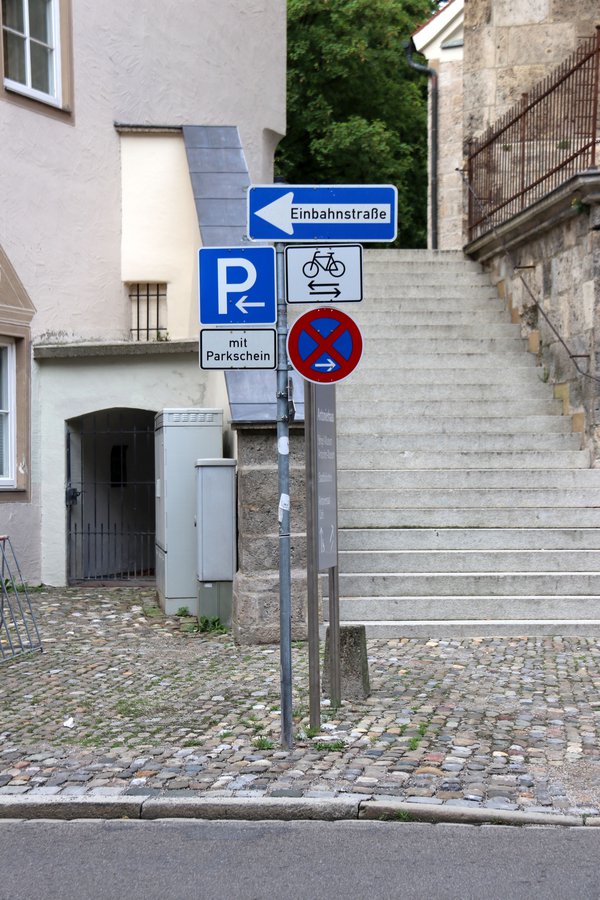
{"points": [[7, 413], [30, 41]]}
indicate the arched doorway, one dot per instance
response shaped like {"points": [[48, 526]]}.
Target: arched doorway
{"points": [[110, 496]]}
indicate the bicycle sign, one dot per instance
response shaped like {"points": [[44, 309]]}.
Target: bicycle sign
{"points": [[317, 273]]}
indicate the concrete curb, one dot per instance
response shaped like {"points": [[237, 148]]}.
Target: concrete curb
{"points": [[391, 810], [148, 808], [70, 807], [283, 809]]}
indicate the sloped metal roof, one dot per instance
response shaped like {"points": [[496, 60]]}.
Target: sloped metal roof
{"points": [[220, 181]]}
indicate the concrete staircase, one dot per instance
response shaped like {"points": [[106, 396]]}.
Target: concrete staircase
{"points": [[466, 505]]}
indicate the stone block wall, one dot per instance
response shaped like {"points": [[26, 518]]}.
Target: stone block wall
{"points": [[554, 257], [451, 212], [256, 585], [510, 45]]}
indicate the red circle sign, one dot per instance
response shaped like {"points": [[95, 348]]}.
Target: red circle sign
{"points": [[324, 345]]}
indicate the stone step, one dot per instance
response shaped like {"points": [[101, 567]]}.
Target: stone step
{"points": [[457, 629], [496, 361], [449, 425], [553, 460], [381, 278], [413, 348], [421, 255], [442, 409], [387, 293], [521, 373], [463, 539], [474, 443], [470, 517], [480, 479], [378, 591], [400, 331], [368, 314], [373, 391], [490, 607], [431, 271], [462, 561], [440, 263], [468, 498]]}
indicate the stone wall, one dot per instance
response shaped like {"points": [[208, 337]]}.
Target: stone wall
{"points": [[510, 45], [256, 584], [551, 253], [451, 212]]}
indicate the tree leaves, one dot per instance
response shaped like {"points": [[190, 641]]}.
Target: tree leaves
{"points": [[357, 113]]}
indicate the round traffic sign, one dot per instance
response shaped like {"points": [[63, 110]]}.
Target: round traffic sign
{"points": [[324, 345]]}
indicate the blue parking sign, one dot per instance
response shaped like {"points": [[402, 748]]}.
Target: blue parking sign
{"points": [[237, 286]]}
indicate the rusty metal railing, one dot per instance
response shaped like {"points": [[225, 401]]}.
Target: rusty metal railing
{"points": [[538, 144]]}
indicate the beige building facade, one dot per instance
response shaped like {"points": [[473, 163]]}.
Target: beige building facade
{"points": [[99, 231]]}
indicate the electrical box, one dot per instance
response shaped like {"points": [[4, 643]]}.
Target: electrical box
{"points": [[216, 537], [181, 435]]}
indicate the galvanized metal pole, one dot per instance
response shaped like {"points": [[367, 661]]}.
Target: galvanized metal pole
{"points": [[312, 571], [283, 467], [335, 677]]}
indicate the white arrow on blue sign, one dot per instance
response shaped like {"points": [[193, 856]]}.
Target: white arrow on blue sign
{"points": [[286, 212], [237, 286]]}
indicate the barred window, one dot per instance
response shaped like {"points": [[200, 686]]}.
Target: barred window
{"points": [[148, 311]]}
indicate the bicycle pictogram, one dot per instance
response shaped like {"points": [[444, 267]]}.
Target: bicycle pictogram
{"points": [[323, 262]]}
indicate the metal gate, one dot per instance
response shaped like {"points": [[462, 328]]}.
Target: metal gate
{"points": [[110, 496]]}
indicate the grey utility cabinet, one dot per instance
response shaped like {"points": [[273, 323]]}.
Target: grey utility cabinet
{"points": [[216, 537]]}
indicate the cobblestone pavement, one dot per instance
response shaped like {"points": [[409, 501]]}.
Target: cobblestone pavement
{"points": [[124, 701]]}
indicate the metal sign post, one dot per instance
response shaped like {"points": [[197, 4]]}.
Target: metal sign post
{"points": [[322, 553], [312, 568], [283, 468]]}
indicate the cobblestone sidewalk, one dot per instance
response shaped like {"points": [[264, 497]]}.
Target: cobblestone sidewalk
{"points": [[124, 701]]}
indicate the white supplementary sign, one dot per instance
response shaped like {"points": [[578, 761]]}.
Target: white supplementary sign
{"points": [[323, 274], [238, 348]]}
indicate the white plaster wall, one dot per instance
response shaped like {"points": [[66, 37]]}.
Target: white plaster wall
{"points": [[70, 388], [158, 63], [160, 235]]}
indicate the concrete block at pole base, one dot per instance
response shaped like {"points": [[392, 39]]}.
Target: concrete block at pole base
{"points": [[354, 663]]}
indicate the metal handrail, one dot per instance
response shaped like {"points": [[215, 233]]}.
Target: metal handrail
{"points": [[537, 145]]}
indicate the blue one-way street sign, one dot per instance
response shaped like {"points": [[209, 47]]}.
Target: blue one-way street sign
{"points": [[237, 286], [288, 212]]}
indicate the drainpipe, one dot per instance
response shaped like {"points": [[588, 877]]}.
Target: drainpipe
{"points": [[410, 48]]}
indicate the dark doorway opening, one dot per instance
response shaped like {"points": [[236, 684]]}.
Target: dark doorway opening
{"points": [[110, 496]]}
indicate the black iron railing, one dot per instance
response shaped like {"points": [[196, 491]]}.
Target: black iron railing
{"points": [[537, 145]]}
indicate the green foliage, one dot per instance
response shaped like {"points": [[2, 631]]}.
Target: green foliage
{"points": [[263, 743], [329, 746], [357, 113], [215, 626]]}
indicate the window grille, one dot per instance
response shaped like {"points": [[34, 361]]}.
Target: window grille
{"points": [[148, 311]]}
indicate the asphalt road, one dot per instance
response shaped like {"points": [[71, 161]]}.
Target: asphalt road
{"points": [[177, 860]]}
